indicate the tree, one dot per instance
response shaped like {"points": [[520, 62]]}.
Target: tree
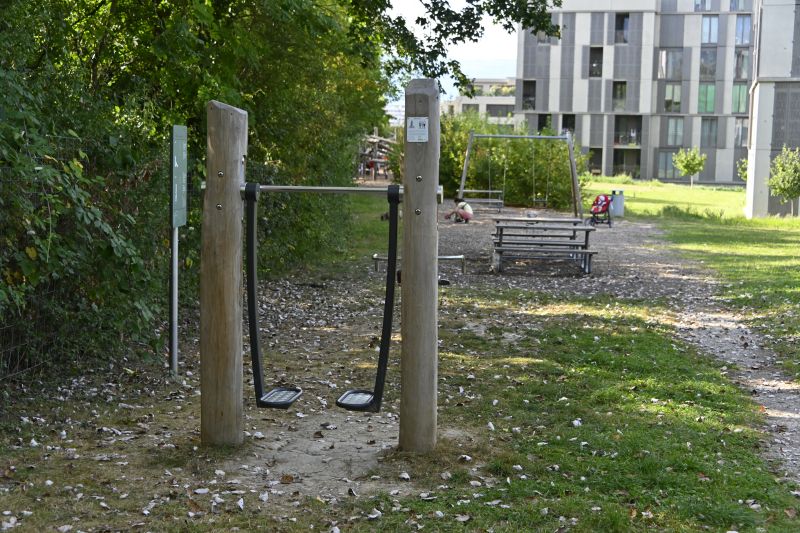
{"points": [[443, 27], [689, 162], [784, 175]]}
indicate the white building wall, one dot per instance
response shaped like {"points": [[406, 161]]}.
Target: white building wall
{"points": [[759, 153]]}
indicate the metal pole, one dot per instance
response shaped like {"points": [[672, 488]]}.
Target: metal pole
{"points": [[419, 321], [466, 164], [577, 207], [173, 307]]}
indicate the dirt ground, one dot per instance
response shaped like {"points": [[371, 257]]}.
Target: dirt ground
{"points": [[329, 453]]}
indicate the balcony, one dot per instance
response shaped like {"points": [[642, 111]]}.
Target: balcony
{"points": [[628, 139]]}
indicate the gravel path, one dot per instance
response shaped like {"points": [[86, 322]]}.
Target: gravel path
{"points": [[319, 450]]}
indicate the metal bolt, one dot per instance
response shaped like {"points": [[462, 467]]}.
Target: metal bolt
{"points": [[418, 211], [220, 174], [419, 178], [219, 207]]}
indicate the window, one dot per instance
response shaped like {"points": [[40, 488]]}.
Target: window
{"points": [[708, 133], [596, 161], [710, 30], [739, 98], [568, 123], [620, 92], [469, 108], [740, 131], [543, 122], [743, 29], [451, 109], [702, 5], [622, 27], [666, 170], [737, 5], [741, 64], [670, 64], [672, 98], [499, 110], [707, 97], [528, 95], [675, 131], [708, 63], [596, 62]]}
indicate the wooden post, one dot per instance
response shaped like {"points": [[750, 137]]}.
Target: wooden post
{"points": [[221, 417], [419, 312]]}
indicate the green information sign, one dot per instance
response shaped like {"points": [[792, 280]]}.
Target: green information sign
{"points": [[179, 166]]}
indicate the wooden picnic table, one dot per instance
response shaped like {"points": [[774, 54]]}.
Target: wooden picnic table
{"points": [[542, 240]]}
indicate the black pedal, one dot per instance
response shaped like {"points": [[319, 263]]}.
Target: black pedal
{"points": [[357, 400], [280, 398]]}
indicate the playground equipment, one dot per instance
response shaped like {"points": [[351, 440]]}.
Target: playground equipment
{"points": [[221, 336], [284, 397], [577, 208]]}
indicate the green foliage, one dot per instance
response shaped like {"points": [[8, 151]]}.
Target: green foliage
{"points": [[529, 171], [741, 169], [88, 91], [689, 161], [784, 174]]}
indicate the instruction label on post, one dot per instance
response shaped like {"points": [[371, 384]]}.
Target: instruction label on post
{"points": [[417, 129], [179, 169]]}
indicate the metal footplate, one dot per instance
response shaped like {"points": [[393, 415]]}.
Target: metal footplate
{"points": [[280, 398], [358, 400]]}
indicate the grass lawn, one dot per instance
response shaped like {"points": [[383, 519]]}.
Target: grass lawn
{"points": [[758, 259], [650, 198]]}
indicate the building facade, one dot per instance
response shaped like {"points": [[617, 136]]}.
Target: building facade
{"points": [[493, 98], [636, 80], [775, 113]]}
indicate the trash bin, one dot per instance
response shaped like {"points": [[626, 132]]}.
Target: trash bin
{"points": [[617, 203]]}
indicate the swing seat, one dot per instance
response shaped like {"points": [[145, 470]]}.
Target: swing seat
{"points": [[280, 397], [358, 400]]}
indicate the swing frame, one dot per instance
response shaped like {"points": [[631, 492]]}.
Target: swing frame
{"points": [[577, 205]]}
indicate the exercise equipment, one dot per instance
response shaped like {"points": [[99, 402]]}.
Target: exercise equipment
{"points": [[284, 397]]}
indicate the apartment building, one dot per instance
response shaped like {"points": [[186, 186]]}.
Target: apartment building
{"points": [[636, 80], [775, 112], [494, 98]]}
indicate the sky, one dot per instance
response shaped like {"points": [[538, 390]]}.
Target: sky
{"points": [[494, 56]]}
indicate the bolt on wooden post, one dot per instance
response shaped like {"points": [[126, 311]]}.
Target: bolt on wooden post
{"points": [[221, 417], [419, 311]]}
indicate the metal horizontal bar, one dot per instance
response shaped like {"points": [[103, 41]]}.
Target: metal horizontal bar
{"points": [[380, 191], [377, 191]]}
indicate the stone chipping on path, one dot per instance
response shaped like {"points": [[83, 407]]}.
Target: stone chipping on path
{"points": [[321, 451]]}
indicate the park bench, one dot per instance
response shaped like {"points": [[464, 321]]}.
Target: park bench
{"points": [[538, 239], [377, 259]]}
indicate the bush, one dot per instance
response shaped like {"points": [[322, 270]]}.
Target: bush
{"points": [[784, 179]]}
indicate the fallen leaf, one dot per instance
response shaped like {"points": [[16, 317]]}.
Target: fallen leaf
{"points": [[287, 478]]}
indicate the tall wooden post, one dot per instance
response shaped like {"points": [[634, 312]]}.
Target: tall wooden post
{"points": [[420, 357], [221, 418]]}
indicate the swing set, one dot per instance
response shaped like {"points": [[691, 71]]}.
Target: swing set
{"points": [[495, 198]]}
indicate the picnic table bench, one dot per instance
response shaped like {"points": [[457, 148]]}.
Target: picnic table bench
{"points": [[542, 240], [538, 220], [492, 199]]}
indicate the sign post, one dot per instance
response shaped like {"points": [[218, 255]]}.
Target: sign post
{"points": [[178, 165], [419, 322]]}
